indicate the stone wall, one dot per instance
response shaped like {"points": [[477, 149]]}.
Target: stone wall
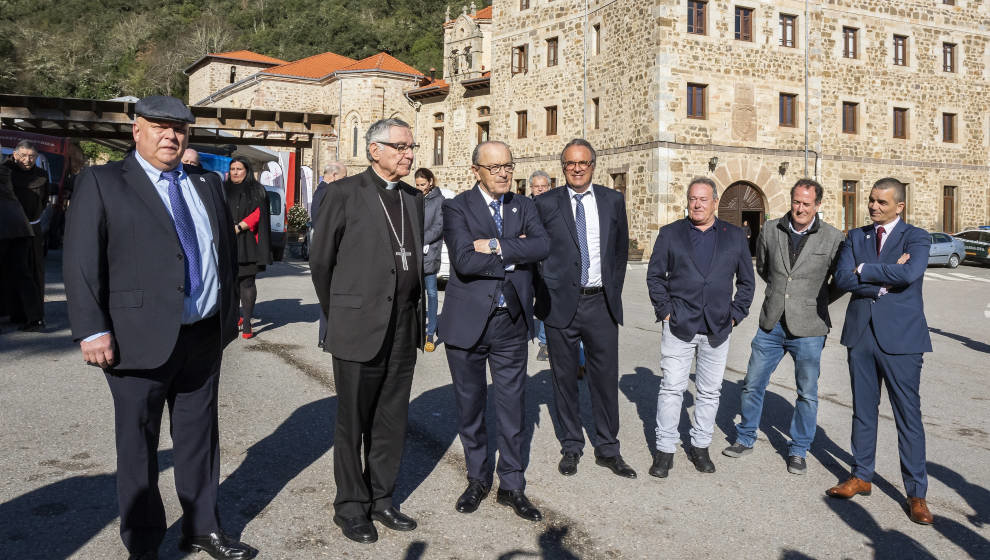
{"points": [[215, 75]]}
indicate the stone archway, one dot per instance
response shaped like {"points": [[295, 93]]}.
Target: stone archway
{"points": [[743, 205]]}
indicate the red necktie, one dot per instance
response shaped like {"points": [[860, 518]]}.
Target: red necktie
{"points": [[880, 232]]}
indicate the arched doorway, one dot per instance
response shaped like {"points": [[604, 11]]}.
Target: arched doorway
{"points": [[742, 204]]}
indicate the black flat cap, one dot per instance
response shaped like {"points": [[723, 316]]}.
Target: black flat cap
{"points": [[164, 108]]}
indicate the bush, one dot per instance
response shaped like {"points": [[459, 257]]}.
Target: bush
{"points": [[298, 218]]}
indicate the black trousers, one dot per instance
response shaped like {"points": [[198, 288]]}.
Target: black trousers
{"points": [[372, 411], [36, 260], [593, 325], [17, 278], [249, 295], [503, 347], [188, 383]]}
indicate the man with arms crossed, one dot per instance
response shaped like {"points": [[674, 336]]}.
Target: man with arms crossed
{"points": [[495, 239], [883, 265], [690, 281], [795, 256]]}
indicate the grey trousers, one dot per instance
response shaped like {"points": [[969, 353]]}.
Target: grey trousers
{"points": [[675, 364]]}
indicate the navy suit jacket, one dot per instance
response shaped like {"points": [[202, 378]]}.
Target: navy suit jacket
{"points": [[899, 315], [123, 264], [560, 274], [469, 298], [679, 289]]}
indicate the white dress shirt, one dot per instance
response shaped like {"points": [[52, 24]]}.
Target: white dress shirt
{"points": [[593, 232]]}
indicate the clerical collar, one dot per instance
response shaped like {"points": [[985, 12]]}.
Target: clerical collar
{"points": [[390, 185]]}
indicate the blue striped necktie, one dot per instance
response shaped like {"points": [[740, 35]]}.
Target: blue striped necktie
{"points": [[581, 224], [186, 230], [496, 205]]}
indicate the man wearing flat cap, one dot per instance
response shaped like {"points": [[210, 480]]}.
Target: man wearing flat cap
{"points": [[149, 266]]}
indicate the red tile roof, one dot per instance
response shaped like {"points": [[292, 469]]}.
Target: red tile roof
{"points": [[383, 61], [316, 66], [248, 56], [484, 13], [438, 85]]}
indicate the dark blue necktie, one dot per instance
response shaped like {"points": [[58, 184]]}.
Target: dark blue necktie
{"points": [[186, 229], [580, 222], [496, 204]]}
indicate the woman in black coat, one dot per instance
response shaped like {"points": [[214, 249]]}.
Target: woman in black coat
{"points": [[248, 204]]}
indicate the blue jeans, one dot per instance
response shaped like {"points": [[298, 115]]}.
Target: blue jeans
{"points": [[768, 348], [541, 332], [431, 303]]}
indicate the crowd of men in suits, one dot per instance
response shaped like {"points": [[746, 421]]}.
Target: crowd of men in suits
{"points": [[158, 326]]}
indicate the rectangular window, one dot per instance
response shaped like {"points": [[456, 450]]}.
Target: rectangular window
{"points": [[551, 120], [848, 205], [522, 123], [437, 146], [523, 4], [949, 2], [552, 51], [597, 117], [948, 57], [787, 25], [482, 132], [948, 127], [696, 101], [949, 209], [900, 50], [596, 38], [850, 42], [696, 17], [619, 183], [744, 24], [849, 117], [788, 108], [900, 122], [520, 62]]}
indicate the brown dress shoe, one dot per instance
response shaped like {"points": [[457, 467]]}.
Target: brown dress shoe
{"points": [[850, 488], [918, 511]]}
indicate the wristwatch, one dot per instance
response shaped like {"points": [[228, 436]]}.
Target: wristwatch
{"points": [[493, 245]]}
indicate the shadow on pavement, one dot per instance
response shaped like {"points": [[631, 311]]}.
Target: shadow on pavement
{"points": [[268, 466], [551, 544], [978, 498], [977, 345], [56, 520], [886, 543], [275, 313]]}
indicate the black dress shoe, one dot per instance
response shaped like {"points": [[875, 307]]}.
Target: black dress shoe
{"points": [[394, 519], [616, 465], [568, 463], [662, 463], [472, 496], [217, 545], [517, 500], [358, 529], [699, 456], [146, 555]]}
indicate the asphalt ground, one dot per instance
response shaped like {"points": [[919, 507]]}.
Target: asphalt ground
{"points": [[57, 493]]}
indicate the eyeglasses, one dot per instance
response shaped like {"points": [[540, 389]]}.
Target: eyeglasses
{"points": [[498, 167], [582, 164], [399, 147]]}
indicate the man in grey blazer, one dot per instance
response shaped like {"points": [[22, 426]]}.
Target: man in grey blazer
{"points": [[795, 256]]}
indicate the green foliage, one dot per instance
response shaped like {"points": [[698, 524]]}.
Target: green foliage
{"points": [[109, 48], [297, 218], [99, 152]]}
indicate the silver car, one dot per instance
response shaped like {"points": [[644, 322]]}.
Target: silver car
{"points": [[946, 250]]}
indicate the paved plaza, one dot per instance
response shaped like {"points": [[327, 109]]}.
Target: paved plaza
{"points": [[277, 407]]}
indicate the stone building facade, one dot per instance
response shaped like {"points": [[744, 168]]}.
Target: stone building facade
{"points": [[752, 93]]}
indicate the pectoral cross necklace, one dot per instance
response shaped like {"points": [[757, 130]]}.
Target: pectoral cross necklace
{"points": [[402, 225]]}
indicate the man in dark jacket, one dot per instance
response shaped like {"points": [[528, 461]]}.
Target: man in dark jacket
{"points": [[18, 291], [332, 172], [690, 279], [30, 184]]}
